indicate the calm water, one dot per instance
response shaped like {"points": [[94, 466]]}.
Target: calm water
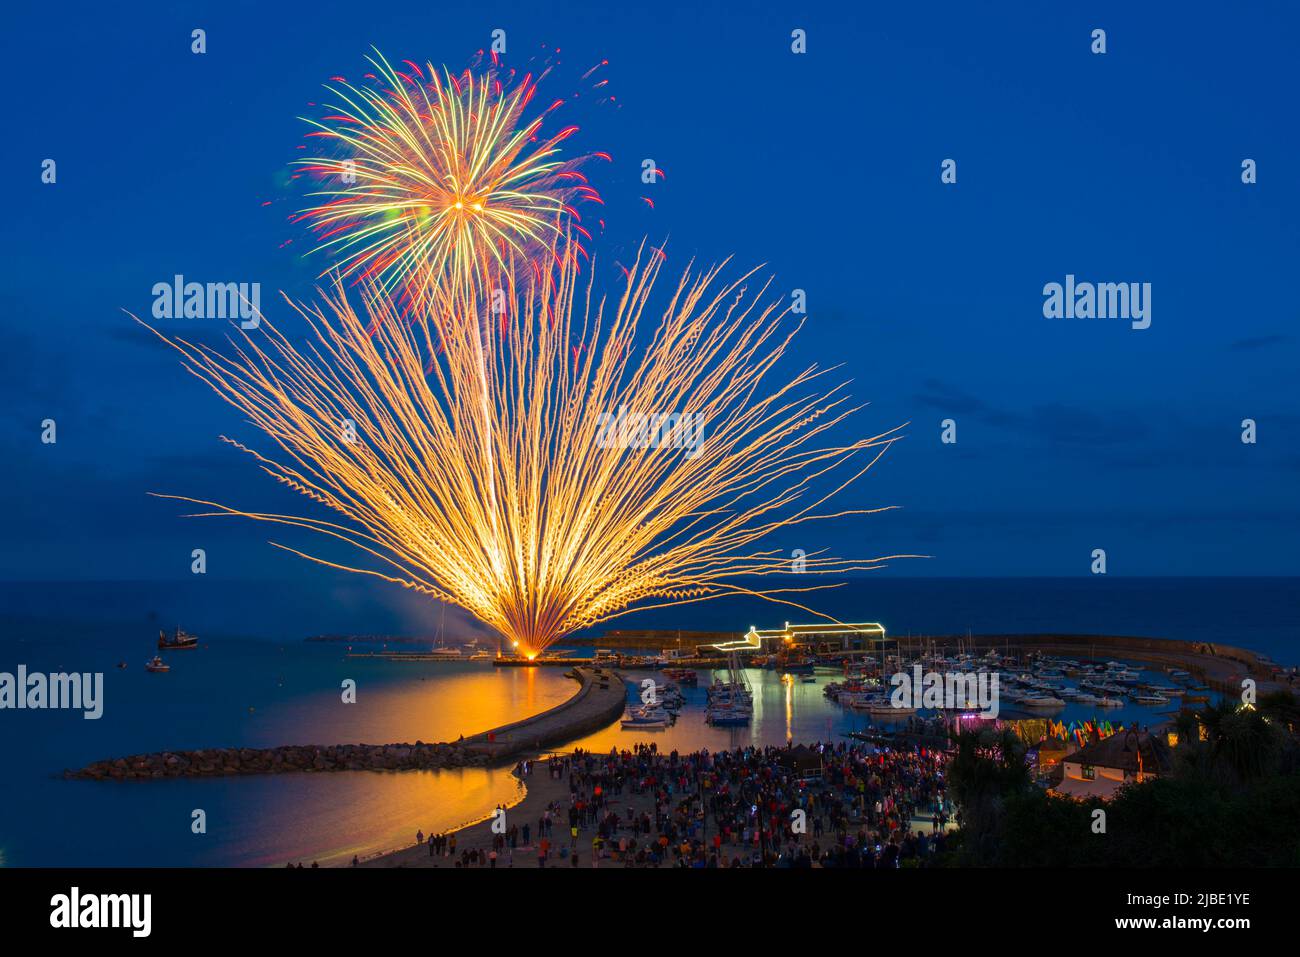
{"points": [[249, 694], [256, 683]]}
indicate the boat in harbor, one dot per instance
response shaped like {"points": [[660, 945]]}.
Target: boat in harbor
{"points": [[645, 718], [1150, 700], [1167, 690], [794, 666], [157, 665], [857, 700], [727, 714], [1107, 702], [1040, 702], [881, 707], [178, 640]]}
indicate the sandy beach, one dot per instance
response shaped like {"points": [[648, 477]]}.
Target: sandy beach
{"points": [[542, 791]]}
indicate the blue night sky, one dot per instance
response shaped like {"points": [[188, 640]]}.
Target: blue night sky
{"points": [[1072, 434]]}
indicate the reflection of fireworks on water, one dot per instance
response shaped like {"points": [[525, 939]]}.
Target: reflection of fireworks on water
{"points": [[474, 469], [433, 176]]}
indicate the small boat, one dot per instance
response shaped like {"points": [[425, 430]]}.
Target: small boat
{"points": [[157, 665], [122, 665], [1109, 703], [683, 675], [793, 666], [881, 707], [1150, 699], [728, 716], [646, 718], [445, 652], [1041, 701], [179, 641], [480, 656], [808, 679]]}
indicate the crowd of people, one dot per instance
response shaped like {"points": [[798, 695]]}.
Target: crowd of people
{"points": [[832, 805]]}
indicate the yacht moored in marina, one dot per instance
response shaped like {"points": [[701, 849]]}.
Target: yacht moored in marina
{"points": [[646, 718], [1150, 699]]}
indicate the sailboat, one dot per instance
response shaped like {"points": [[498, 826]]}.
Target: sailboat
{"points": [[439, 648], [880, 705], [732, 702]]}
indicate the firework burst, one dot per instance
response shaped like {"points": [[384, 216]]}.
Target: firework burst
{"points": [[482, 469], [431, 177]]}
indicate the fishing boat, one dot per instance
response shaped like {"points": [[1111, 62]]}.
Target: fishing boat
{"points": [[157, 664], [792, 665], [178, 641]]}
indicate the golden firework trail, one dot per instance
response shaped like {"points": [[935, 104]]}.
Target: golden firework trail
{"points": [[496, 470], [430, 177]]}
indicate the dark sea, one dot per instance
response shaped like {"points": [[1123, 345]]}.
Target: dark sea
{"points": [[256, 682]]}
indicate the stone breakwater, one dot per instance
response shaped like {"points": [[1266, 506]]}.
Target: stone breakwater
{"points": [[599, 702], [337, 757]]}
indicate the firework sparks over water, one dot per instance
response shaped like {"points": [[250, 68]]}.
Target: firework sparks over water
{"points": [[483, 469], [430, 177]]}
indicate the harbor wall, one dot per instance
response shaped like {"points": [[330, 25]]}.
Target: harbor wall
{"points": [[599, 702]]}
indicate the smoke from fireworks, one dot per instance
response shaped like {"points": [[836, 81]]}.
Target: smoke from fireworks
{"points": [[496, 471], [431, 177]]}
